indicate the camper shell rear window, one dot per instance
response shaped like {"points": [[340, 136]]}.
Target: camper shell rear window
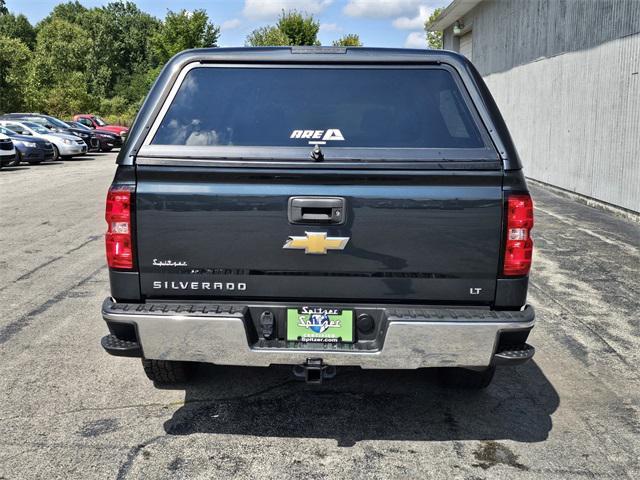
{"points": [[334, 107]]}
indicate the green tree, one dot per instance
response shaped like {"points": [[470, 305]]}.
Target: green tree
{"points": [[293, 28], [121, 46], [57, 71], [182, 30], [267, 37], [349, 40], [102, 59], [300, 29], [14, 61], [72, 11], [69, 96], [434, 38], [17, 26], [62, 48]]}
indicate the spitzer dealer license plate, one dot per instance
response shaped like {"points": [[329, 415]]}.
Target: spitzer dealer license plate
{"points": [[320, 325]]}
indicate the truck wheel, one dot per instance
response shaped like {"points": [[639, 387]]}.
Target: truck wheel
{"points": [[166, 371], [465, 378]]}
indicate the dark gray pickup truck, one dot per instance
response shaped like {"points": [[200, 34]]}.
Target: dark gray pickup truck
{"points": [[319, 207]]}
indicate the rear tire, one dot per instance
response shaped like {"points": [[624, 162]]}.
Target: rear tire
{"points": [[16, 161], [465, 378], [166, 372], [56, 153]]}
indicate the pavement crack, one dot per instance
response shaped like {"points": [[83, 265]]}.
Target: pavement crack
{"points": [[30, 273], [629, 249], [178, 403], [134, 451], [90, 239], [13, 328], [123, 471], [576, 319], [34, 270]]}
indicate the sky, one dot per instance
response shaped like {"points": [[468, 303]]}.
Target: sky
{"points": [[380, 23]]}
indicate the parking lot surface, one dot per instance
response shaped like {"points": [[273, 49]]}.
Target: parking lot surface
{"points": [[70, 411]]}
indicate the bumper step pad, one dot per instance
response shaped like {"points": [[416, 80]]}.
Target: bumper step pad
{"points": [[121, 348], [514, 354]]}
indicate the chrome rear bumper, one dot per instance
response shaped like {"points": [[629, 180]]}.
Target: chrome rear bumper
{"points": [[411, 337]]}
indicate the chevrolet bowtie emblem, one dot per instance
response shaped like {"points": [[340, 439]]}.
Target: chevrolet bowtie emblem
{"points": [[316, 243]]}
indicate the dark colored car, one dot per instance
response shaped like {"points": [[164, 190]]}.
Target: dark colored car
{"points": [[56, 125], [320, 207], [108, 141], [30, 149]]}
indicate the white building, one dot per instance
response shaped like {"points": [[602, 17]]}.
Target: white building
{"points": [[566, 76]]}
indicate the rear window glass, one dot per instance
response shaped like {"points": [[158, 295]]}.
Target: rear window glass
{"points": [[346, 107]]}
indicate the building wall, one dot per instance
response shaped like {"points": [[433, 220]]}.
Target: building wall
{"points": [[566, 76]]}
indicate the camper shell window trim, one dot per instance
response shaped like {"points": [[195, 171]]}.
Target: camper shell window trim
{"points": [[292, 154]]}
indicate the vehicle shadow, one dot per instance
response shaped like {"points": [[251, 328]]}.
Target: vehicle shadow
{"points": [[14, 169], [366, 405], [48, 163], [85, 158]]}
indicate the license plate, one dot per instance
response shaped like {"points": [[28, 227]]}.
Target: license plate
{"points": [[319, 325]]}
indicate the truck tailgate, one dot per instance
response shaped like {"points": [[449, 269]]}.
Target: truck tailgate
{"points": [[427, 236]]}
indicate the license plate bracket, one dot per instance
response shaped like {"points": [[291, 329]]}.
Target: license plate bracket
{"points": [[320, 325]]}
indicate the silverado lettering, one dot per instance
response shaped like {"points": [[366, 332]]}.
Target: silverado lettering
{"points": [[400, 237], [199, 285]]}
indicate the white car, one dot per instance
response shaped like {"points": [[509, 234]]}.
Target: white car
{"points": [[64, 144], [7, 151]]}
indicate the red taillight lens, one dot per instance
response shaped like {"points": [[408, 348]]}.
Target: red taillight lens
{"points": [[118, 237], [519, 245]]}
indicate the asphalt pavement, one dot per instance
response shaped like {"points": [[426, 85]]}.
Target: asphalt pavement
{"points": [[70, 411]]}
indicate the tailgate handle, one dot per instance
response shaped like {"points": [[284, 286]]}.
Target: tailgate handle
{"points": [[316, 210]]}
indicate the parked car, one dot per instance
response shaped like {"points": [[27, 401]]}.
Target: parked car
{"points": [[64, 145], [56, 125], [94, 121], [373, 213], [7, 151], [29, 148], [108, 141]]}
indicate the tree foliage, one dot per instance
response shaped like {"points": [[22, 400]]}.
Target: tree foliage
{"points": [[349, 40], [300, 29], [14, 62], [18, 27], [267, 37], [292, 28], [295, 28], [104, 59], [182, 30], [101, 59], [434, 38]]}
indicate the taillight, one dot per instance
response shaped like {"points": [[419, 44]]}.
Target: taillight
{"points": [[519, 245], [118, 237]]}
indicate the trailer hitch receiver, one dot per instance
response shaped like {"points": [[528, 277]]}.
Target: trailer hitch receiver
{"points": [[314, 370]]}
